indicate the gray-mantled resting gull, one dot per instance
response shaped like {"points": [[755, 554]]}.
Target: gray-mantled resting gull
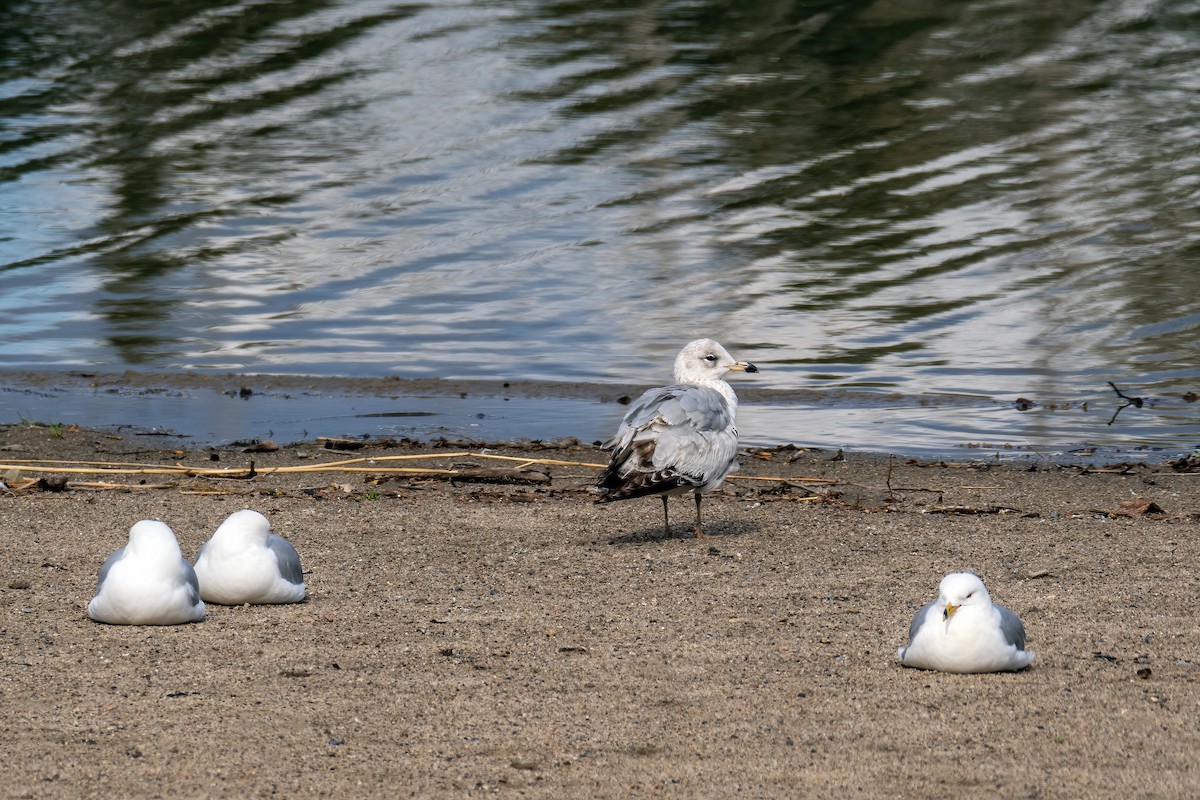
{"points": [[147, 582], [679, 438], [963, 631], [244, 562]]}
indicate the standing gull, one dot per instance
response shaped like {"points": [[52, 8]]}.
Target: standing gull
{"points": [[962, 631], [244, 562], [147, 582], [679, 438]]}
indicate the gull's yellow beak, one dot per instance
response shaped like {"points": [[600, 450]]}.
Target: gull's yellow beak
{"points": [[949, 612], [743, 366]]}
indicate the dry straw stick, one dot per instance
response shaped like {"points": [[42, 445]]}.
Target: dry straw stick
{"points": [[345, 465]]}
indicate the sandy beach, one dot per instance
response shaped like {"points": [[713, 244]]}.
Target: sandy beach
{"points": [[491, 633]]}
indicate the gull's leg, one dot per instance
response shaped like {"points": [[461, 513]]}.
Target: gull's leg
{"points": [[666, 522], [699, 535]]}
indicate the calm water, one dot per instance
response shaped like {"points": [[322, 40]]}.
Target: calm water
{"points": [[913, 199]]}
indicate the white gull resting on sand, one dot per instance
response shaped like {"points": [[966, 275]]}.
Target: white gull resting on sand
{"points": [[679, 438], [962, 631], [147, 582], [244, 562]]}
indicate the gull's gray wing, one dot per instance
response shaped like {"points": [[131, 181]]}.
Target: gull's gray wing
{"points": [[189, 575], [919, 619], [107, 565], [671, 437], [681, 406], [287, 558], [1011, 627]]}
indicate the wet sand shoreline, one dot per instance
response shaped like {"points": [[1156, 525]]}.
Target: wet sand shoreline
{"points": [[223, 408]]}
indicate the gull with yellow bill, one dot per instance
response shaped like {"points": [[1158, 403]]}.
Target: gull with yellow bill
{"points": [[963, 631]]}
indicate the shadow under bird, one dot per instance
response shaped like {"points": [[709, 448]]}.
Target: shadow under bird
{"points": [[963, 631], [243, 562], [681, 438], [147, 582]]}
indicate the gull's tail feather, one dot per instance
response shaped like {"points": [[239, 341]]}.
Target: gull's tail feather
{"points": [[640, 484]]}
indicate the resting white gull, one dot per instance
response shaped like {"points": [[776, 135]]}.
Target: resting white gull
{"points": [[147, 582], [244, 562], [679, 438], [963, 631]]}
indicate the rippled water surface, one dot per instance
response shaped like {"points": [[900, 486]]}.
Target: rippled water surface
{"points": [[914, 199]]}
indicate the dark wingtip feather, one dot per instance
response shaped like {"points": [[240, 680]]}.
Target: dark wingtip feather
{"points": [[642, 484]]}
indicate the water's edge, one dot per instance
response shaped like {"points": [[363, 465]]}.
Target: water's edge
{"points": [[214, 409]]}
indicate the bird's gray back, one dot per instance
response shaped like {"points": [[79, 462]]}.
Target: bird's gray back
{"points": [[1011, 627], [696, 407], [193, 583], [692, 427], [287, 558], [107, 565], [919, 619]]}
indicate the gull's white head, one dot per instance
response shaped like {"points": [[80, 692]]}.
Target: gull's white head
{"points": [[703, 361], [245, 526], [153, 539], [959, 589]]}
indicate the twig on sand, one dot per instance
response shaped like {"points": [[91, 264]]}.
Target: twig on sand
{"points": [[121, 487], [369, 464]]}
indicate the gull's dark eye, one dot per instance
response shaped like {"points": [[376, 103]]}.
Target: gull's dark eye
{"points": [[710, 358]]}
